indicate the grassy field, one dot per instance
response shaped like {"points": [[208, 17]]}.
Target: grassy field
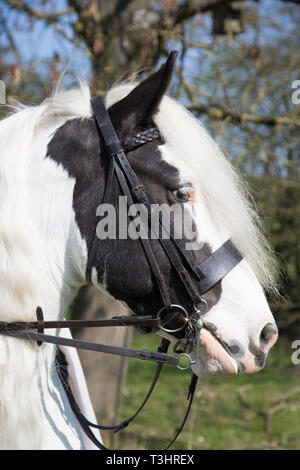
{"points": [[260, 411]]}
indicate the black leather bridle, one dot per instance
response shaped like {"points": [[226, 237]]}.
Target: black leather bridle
{"points": [[196, 279]]}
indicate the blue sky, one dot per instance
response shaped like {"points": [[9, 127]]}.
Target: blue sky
{"points": [[37, 41]]}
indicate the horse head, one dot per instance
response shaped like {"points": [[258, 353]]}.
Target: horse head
{"points": [[181, 167]]}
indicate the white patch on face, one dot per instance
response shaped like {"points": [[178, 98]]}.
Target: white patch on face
{"points": [[94, 276], [242, 310]]}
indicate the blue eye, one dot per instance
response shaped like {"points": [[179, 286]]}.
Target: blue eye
{"points": [[183, 194]]}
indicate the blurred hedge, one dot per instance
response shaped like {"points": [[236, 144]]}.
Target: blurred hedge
{"points": [[278, 202]]}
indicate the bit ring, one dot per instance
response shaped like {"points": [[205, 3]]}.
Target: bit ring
{"points": [[190, 361], [178, 307]]}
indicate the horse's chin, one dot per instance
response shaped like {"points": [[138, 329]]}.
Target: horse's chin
{"points": [[213, 359]]}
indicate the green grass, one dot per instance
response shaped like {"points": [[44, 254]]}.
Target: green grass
{"points": [[260, 411]]}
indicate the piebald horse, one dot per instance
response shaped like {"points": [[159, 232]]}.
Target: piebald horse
{"points": [[52, 179]]}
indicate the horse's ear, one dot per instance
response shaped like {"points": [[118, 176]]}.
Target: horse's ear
{"points": [[139, 106]]}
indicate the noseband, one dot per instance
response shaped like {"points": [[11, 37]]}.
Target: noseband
{"points": [[196, 279]]}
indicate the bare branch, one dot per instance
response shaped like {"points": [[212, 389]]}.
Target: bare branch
{"points": [[191, 7], [50, 17], [223, 111], [171, 35]]}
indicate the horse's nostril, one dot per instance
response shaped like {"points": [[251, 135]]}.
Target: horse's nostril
{"points": [[236, 348], [268, 333]]}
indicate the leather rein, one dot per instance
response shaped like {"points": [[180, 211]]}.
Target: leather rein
{"points": [[196, 279]]}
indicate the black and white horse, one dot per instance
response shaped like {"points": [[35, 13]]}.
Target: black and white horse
{"points": [[52, 179]]}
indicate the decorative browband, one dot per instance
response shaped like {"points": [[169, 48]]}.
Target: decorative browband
{"points": [[139, 139]]}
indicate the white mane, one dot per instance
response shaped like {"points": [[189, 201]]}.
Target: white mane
{"points": [[23, 284]]}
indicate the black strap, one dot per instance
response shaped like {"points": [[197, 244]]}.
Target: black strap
{"points": [[118, 427], [110, 138], [218, 264], [191, 393], [164, 293], [76, 343], [42, 324], [86, 424], [62, 369]]}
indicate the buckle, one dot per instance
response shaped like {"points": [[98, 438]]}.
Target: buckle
{"points": [[139, 193]]}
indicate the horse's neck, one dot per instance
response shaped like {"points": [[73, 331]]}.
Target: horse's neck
{"points": [[34, 410], [34, 413], [34, 270]]}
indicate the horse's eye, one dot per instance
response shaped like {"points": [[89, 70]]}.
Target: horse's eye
{"points": [[183, 194]]}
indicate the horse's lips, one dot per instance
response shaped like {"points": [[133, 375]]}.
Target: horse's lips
{"points": [[213, 348]]}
